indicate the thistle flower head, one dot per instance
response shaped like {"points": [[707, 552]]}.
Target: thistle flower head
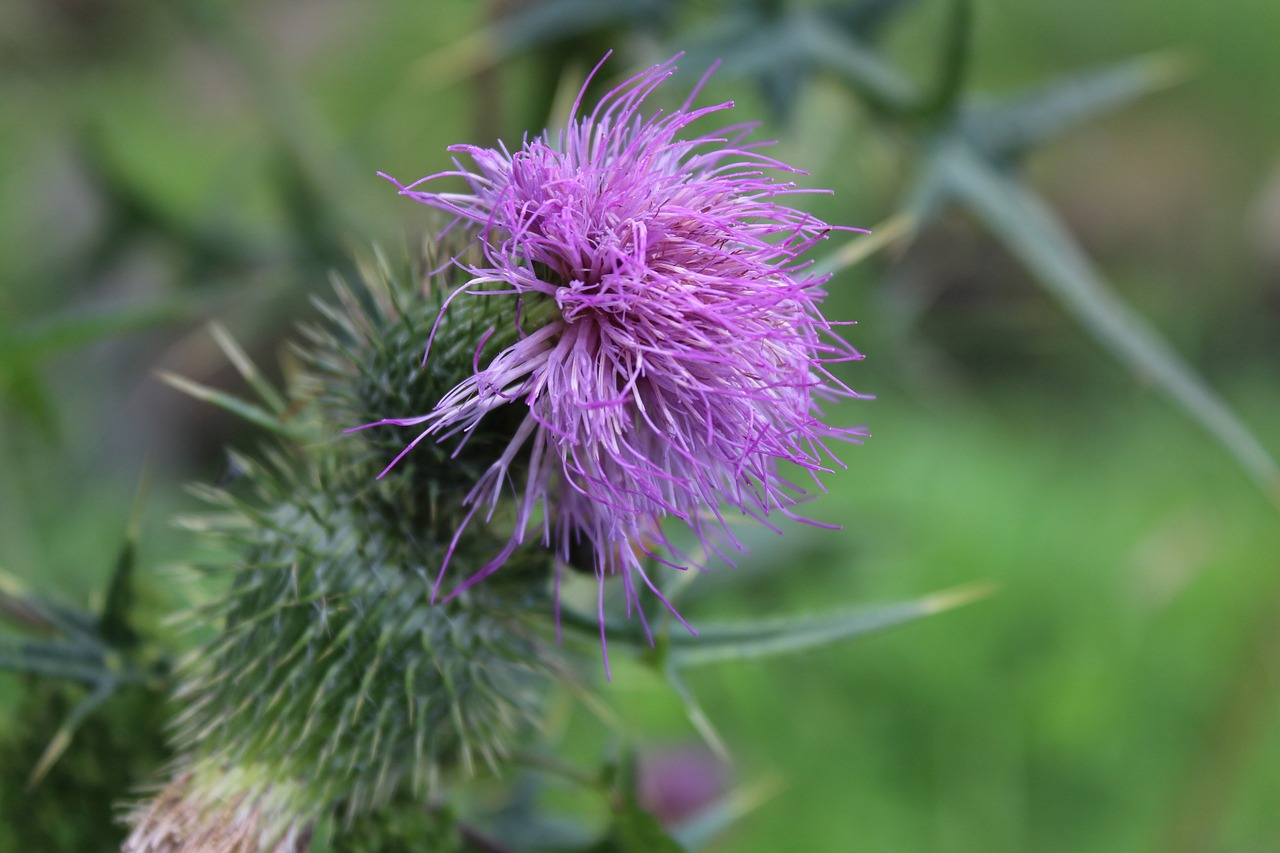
{"points": [[670, 349]]}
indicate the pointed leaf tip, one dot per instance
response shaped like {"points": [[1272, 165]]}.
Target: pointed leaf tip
{"points": [[246, 368], [898, 229], [725, 813], [959, 597], [62, 738], [227, 402], [774, 637], [1169, 68], [115, 622]]}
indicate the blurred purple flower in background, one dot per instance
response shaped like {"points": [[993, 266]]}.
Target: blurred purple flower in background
{"points": [[678, 783], [670, 348]]}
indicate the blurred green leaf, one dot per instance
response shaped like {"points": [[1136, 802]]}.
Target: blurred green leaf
{"points": [[1030, 230], [33, 612], [895, 230], [24, 390], [953, 64], [860, 68], [100, 652], [62, 738], [633, 830], [133, 211], [318, 169], [782, 48], [768, 637], [865, 19], [406, 825], [723, 814], [81, 327], [636, 831], [1006, 129], [17, 606], [55, 660], [116, 748], [116, 622], [748, 45], [697, 717], [542, 21], [772, 637]]}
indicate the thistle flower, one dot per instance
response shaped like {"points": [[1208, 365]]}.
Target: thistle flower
{"points": [[670, 352]]}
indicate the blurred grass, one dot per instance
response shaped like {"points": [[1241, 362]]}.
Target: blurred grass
{"points": [[1095, 704]]}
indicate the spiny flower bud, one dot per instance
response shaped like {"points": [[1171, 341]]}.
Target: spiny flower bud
{"points": [[367, 358], [333, 684]]}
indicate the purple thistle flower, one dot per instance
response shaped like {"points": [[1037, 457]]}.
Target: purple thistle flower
{"points": [[672, 350]]}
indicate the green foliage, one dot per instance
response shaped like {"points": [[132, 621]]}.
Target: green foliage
{"points": [[635, 831], [406, 826], [75, 806], [109, 652], [631, 828]]}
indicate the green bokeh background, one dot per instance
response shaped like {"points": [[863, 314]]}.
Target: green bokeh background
{"points": [[1119, 691]]}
